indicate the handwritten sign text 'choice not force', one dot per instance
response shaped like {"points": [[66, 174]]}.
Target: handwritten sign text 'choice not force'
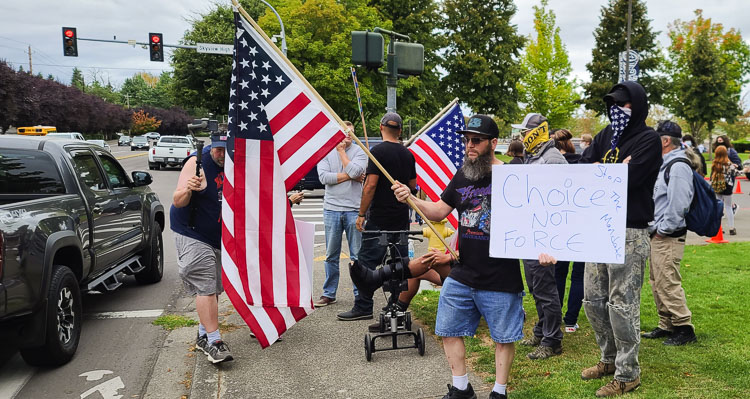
{"points": [[572, 212]]}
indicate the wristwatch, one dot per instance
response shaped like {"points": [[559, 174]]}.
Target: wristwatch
{"points": [[361, 216]]}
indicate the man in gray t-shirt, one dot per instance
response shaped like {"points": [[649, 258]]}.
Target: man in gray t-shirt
{"points": [[342, 172]]}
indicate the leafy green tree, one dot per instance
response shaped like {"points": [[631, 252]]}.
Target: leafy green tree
{"points": [[137, 91], [545, 86], [77, 81], [106, 92], [482, 55], [419, 98], [611, 39], [708, 68]]}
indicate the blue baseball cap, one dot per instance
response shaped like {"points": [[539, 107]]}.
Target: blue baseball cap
{"points": [[219, 140]]}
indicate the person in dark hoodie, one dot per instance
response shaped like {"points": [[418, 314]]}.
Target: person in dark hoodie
{"points": [[547, 337], [612, 292]]}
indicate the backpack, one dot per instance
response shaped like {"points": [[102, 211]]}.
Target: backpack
{"points": [[718, 182], [706, 211]]}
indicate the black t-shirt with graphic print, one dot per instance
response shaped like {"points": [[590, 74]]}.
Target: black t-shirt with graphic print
{"points": [[476, 268]]}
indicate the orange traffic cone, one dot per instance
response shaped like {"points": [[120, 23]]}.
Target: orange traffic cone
{"points": [[738, 190], [718, 238]]}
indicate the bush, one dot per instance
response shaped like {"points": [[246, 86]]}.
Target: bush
{"points": [[741, 145]]}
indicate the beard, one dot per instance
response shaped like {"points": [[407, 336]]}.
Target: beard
{"points": [[480, 167]]}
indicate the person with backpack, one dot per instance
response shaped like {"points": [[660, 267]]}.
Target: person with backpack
{"points": [[723, 172], [673, 196]]}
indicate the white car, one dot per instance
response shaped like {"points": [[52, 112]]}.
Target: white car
{"points": [[170, 151], [66, 135], [100, 143]]}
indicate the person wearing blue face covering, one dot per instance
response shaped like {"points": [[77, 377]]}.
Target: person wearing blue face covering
{"points": [[612, 292]]}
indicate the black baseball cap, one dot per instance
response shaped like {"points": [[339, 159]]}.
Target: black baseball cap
{"points": [[219, 140], [481, 124], [618, 95], [392, 120], [669, 128]]}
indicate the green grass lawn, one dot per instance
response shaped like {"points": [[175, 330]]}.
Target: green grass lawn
{"points": [[716, 279]]}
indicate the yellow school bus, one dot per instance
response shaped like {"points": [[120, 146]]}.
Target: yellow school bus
{"points": [[36, 130]]}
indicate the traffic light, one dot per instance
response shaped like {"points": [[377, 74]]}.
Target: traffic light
{"points": [[367, 49], [70, 42], [156, 47], [410, 58]]}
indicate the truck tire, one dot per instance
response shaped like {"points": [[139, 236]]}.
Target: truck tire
{"points": [[63, 324], [152, 258]]}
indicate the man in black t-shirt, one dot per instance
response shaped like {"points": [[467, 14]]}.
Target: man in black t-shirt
{"points": [[385, 212], [478, 286]]}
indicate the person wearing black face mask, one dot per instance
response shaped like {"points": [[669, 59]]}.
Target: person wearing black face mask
{"points": [[723, 140]]}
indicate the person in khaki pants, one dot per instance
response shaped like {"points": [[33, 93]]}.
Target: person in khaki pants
{"points": [[672, 198]]}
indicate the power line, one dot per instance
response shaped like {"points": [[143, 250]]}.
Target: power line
{"points": [[89, 66]]}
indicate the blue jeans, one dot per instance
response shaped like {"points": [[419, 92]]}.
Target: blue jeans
{"points": [[575, 295], [372, 254], [336, 223]]}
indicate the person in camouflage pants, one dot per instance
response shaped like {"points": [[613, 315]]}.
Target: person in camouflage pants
{"points": [[612, 292]]}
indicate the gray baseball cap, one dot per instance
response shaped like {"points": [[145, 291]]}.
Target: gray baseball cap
{"points": [[530, 121], [392, 119]]}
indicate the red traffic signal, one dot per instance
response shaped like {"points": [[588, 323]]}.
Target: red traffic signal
{"points": [[70, 42], [156, 48]]}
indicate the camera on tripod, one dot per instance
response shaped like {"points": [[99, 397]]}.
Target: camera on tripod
{"points": [[392, 276]]}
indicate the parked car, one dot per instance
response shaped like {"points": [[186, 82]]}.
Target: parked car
{"points": [[123, 140], [152, 135], [139, 143], [170, 151], [71, 220], [67, 135], [101, 143]]}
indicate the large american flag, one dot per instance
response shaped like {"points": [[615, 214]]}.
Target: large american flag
{"points": [[278, 131], [439, 153]]}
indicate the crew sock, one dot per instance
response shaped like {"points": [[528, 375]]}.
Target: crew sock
{"points": [[499, 388], [201, 330], [461, 381], [214, 336]]}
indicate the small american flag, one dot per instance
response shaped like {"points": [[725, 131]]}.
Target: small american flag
{"points": [[439, 153], [278, 131]]}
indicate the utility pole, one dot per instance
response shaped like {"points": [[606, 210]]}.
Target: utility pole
{"points": [[31, 71], [627, 52]]}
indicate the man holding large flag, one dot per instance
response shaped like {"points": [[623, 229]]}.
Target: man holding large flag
{"points": [[279, 128]]}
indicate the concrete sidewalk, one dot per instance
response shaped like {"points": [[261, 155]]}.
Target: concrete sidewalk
{"points": [[320, 357]]}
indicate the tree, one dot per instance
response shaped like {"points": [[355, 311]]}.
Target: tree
{"points": [[739, 130], [545, 86], [481, 59], [9, 95], [77, 80], [142, 123], [586, 121], [708, 68], [201, 81], [143, 89], [611, 38], [419, 98]]}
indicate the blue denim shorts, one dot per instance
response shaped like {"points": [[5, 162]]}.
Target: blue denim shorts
{"points": [[461, 306]]}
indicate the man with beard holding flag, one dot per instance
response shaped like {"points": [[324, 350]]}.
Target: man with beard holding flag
{"points": [[477, 286]]}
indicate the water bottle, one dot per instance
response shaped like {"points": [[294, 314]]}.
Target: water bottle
{"points": [[411, 250]]}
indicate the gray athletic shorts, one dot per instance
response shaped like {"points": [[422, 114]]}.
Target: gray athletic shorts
{"points": [[199, 266]]}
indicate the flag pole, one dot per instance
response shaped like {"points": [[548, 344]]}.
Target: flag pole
{"points": [[438, 116], [338, 119], [359, 103]]}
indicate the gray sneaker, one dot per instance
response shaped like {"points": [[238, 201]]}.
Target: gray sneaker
{"points": [[219, 352], [544, 352], [533, 340], [201, 342]]}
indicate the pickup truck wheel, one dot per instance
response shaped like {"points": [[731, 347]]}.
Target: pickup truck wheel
{"points": [[153, 259], [63, 324]]}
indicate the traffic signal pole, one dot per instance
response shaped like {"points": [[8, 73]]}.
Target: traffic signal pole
{"points": [[391, 80], [134, 43]]}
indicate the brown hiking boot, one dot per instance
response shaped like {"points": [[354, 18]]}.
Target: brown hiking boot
{"points": [[543, 352], [600, 370], [614, 388], [533, 340]]}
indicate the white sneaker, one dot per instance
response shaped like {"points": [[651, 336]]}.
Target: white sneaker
{"points": [[571, 329]]}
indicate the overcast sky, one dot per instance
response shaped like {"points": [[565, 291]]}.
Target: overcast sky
{"points": [[38, 23]]}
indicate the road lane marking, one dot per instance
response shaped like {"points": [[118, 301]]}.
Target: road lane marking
{"points": [[126, 314], [14, 376], [132, 156]]}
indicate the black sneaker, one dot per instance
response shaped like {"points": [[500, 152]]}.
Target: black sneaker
{"points": [[219, 352], [455, 393], [656, 333], [495, 395], [201, 342], [354, 314], [683, 335]]}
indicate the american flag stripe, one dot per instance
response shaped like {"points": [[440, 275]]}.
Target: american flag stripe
{"points": [[426, 186], [305, 134], [288, 113], [437, 160], [318, 148]]}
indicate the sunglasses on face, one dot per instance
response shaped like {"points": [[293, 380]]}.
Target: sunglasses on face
{"points": [[473, 140]]}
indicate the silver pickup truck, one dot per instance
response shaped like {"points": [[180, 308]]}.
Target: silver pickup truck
{"points": [[170, 151]]}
